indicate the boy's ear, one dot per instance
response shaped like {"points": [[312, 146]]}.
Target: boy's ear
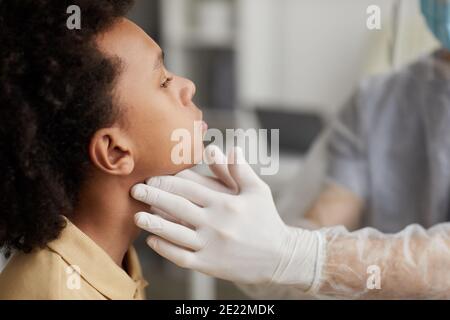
{"points": [[110, 151]]}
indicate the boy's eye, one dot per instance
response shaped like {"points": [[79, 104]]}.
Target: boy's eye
{"points": [[166, 82]]}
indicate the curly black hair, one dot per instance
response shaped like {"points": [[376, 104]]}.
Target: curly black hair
{"points": [[56, 91]]}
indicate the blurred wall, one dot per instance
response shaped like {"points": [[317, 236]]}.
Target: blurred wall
{"points": [[309, 54]]}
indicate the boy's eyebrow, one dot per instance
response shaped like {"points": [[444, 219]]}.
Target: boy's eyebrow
{"points": [[160, 60]]}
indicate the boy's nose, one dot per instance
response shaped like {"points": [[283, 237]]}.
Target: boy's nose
{"points": [[187, 92]]}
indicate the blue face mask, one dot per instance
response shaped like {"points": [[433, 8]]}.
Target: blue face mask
{"points": [[437, 15]]}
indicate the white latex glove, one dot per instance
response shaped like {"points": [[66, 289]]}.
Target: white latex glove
{"points": [[237, 237]]}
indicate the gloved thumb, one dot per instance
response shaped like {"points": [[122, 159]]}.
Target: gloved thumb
{"points": [[241, 171], [218, 164]]}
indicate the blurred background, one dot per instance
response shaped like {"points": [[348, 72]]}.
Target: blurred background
{"points": [[285, 64]]}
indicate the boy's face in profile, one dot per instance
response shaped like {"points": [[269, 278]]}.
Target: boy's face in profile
{"points": [[153, 102]]}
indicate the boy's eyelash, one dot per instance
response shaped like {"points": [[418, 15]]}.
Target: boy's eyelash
{"points": [[166, 82]]}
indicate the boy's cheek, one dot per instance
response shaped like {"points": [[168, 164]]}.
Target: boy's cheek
{"points": [[169, 148]]}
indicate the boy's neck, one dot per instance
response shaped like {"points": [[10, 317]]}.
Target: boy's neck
{"points": [[105, 214]]}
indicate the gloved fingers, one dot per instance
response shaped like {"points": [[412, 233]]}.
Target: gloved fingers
{"points": [[190, 190], [241, 171], [181, 257], [176, 206], [173, 232], [168, 217], [209, 182], [218, 164]]}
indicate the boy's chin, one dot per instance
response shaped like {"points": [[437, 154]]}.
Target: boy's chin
{"points": [[197, 159], [185, 167]]}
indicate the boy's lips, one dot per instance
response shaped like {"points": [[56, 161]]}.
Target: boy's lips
{"points": [[204, 126]]}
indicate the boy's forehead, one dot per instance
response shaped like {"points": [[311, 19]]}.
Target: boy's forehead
{"points": [[129, 42]]}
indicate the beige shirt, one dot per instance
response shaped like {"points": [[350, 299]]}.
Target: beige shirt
{"points": [[71, 267]]}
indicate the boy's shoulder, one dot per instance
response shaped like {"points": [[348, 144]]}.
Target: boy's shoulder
{"points": [[35, 275]]}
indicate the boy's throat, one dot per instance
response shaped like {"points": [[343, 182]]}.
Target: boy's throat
{"points": [[105, 213]]}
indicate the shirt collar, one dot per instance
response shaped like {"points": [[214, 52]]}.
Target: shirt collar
{"points": [[96, 266]]}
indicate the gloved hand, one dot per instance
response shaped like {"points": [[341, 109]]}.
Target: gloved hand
{"points": [[238, 237]]}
